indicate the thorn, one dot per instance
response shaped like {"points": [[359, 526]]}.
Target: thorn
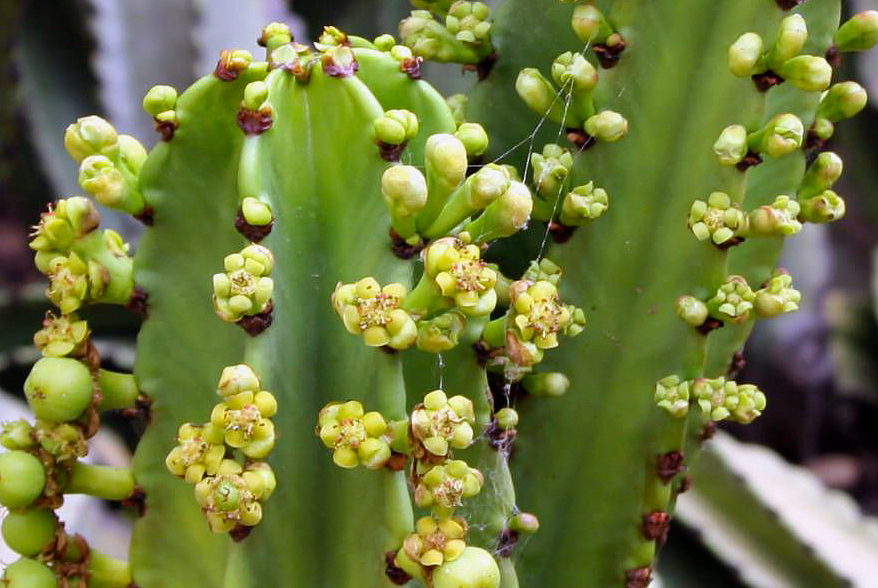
{"points": [[253, 233], [402, 249], [506, 542], [655, 526], [638, 577], [750, 160], [139, 302], [255, 122], [412, 67], [767, 80], [255, 324], [137, 501], [396, 574], [669, 465], [240, 532]]}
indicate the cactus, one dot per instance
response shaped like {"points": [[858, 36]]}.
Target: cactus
{"points": [[331, 243]]}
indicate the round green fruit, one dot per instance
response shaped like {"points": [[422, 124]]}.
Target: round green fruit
{"points": [[28, 573], [22, 479], [28, 532], [58, 389], [475, 568]]}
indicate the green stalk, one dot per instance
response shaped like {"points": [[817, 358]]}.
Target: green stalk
{"points": [[104, 482]]}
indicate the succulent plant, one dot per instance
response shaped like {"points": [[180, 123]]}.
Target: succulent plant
{"points": [[470, 246]]}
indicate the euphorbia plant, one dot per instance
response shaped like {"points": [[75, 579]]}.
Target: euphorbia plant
{"points": [[331, 243]]}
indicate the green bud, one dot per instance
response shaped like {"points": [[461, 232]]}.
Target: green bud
{"points": [[58, 389], [790, 39], [29, 532], [100, 178], [384, 42], [376, 313], [582, 205], [843, 100], [540, 96], [255, 95], [465, 38], [807, 72], [720, 399], [22, 479], [525, 522], [28, 573], [404, 189], [507, 418], [457, 105], [17, 435], [672, 394], [606, 126], [90, 135], [132, 153], [441, 333], [255, 212], [475, 568], [159, 99], [274, 35], [823, 128], [718, 219], [821, 175], [574, 72], [859, 33], [546, 384], [589, 24], [731, 146], [777, 218], [733, 300], [505, 216], [777, 296], [824, 208], [745, 54], [244, 289], [473, 137], [692, 310], [550, 169], [783, 134]]}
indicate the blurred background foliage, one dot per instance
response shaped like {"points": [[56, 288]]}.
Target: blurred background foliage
{"points": [[819, 367]]}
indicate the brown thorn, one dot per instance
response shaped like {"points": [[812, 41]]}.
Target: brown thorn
{"points": [[394, 573], [401, 248], [669, 465], [638, 577], [255, 122], [813, 141], [685, 484], [506, 542], [833, 56], [788, 4], [707, 432], [750, 160], [560, 232], [709, 325], [138, 303], [255, 324], [580, 139], [397, 461], [411, 66], [737, 365], [766, 80], [390, 152], [240, 532], [166, 129], [137, 501], [484, 67], [253, 233], [655, 526], [609, 56], [145, 216]]}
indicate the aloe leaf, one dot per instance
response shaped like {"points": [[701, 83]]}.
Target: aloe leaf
{"points": [[775, 522]]}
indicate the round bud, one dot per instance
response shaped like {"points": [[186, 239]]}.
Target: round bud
{"points": [[22, 479], [58, 389], [507, 418], [159, 99], [28, 532], [607, 126], [474, 568], [28, 573]]}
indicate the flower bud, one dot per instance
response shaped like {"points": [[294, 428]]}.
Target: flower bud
{"points": [[606, 126], [718, 219], [691, 310], [824, 208], [731, 146], [58, 389], [473, 137], [159, 99], [255, 95], [790, 39], [90, 135], [744, 54], [589, 24], [574, 72], [546, 384], [777, 296], [505, 216], [100, 178], [404, 189], [733, 300], [28, 573], [859, 33], [29, 532], [255, 212], [843, 100], [274, 35], [821, 175], [507, 418], [672, 394], [582, 205], [474, 568], [807, 72], [536, 91], [440, 333], [783, 134], [777, 218], [22, 479]]}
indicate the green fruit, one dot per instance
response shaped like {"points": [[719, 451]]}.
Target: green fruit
{"points": [[58, 389], [28, 573], [22, 479], [475, 568], [28, 532]]}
